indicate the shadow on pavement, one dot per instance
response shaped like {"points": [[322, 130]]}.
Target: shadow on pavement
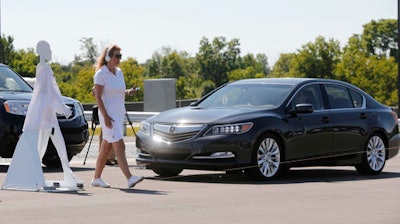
{"points": [[142, 191], [291, 177]]}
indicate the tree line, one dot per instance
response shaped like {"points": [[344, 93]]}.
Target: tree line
{"points": [[368, 60]]}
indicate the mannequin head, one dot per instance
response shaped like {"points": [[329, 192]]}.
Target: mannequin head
{"points": [[43, 49]]}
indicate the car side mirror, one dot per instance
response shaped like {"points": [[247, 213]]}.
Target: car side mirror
{"points": [[304, 108], [193, 104]]}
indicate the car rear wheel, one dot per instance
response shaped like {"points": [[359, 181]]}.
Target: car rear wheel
{"points": [[266, 158], [167, 171], [374, 157]]}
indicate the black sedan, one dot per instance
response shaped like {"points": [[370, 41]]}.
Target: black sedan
{"points": [[265, 126], [15, 95]]}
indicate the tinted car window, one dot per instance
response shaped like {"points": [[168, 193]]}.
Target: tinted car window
{"points": [[255, 95], [357, 98], [310, 94], [10, 81], [338, 96]]}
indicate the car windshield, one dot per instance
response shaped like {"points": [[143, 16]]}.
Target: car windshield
{"points": [[10, 81], [248, 95]]}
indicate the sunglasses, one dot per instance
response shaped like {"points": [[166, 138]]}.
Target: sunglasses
{"points": [[119, 56]]}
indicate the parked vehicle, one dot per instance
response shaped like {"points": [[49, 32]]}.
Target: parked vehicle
{"points": [[15, 95], [266, 126]]}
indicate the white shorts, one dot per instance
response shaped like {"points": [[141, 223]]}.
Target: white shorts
{"points": [[113, 134]]}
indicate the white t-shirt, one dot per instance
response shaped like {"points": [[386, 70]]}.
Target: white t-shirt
{"points": [[114, 101]]}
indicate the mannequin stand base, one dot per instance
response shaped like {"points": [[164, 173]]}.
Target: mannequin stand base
{"points": [[61, 186]]}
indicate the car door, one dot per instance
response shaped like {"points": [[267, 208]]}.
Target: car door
{"points": [[349, 117], [311, 132]]}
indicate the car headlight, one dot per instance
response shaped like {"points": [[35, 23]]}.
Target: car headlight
{"points": [[78, 109], [16, 107], [229, 129], [145, 127]]}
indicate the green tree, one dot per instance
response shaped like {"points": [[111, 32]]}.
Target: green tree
{"points": [[174, 65], [318, 59], [90, 52], [363, 66], [153, 66], [376, 76], [380, 38], [24, 62], [313, 60], [134, 76], [217, 58], [83, 84], [282, 66], [263, 60], [156, 67], [169, 63], [250, 67], [7, 49]]}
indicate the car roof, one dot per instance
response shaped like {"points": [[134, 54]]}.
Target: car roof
{"points": [[287, 81], [299, 82]]}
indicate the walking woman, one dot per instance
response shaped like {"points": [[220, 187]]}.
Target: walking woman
{"points": [[110, 91]]}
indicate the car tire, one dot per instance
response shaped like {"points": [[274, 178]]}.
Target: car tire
{"points": [[167, 171], [373, 157], [53, 161], [266, 158]]}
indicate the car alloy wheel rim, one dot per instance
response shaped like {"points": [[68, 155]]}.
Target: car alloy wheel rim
{"points": [[376, 153], [268, 157]]}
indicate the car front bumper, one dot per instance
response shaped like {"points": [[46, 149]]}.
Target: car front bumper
{"points": [[207, 153]]}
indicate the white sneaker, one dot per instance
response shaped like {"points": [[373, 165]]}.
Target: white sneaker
{"points": [[99, 183], [133, 180]]}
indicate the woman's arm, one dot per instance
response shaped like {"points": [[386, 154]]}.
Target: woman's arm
{"points": [[98, 92]]}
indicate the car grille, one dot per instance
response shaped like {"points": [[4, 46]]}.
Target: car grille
{"points": [[176, 132]]}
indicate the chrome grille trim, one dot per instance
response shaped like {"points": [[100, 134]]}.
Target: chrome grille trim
{"points": [[176, 132]]}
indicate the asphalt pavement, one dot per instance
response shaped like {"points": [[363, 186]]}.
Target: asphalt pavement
{"points": [[325, 195]]}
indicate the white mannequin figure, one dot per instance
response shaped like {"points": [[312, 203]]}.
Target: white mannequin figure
{"points": [[40, 125]]}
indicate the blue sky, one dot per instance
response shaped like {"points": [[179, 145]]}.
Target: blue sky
{"points": [[142, 27]]}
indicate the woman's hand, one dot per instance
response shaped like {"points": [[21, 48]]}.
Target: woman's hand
{"points": [[108, 121], [132, 90]]}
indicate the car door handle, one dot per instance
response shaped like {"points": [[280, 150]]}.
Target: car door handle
{"points": [[363, 116], [325, 120]]}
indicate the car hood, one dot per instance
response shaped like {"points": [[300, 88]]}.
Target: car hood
{"points": [[205, 115], [24, 96], [15, 95]]}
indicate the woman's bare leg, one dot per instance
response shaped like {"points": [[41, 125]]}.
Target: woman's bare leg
{"points": [[102, 158], [119, 149]]}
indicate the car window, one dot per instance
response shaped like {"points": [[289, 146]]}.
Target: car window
{"points": [[10, 81], [249, 95], [357, 98], [338, 96], [310, 94]]}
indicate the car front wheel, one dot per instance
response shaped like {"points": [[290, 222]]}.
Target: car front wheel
{"points": [[266, 158], [374, 156], [167, 171]]}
